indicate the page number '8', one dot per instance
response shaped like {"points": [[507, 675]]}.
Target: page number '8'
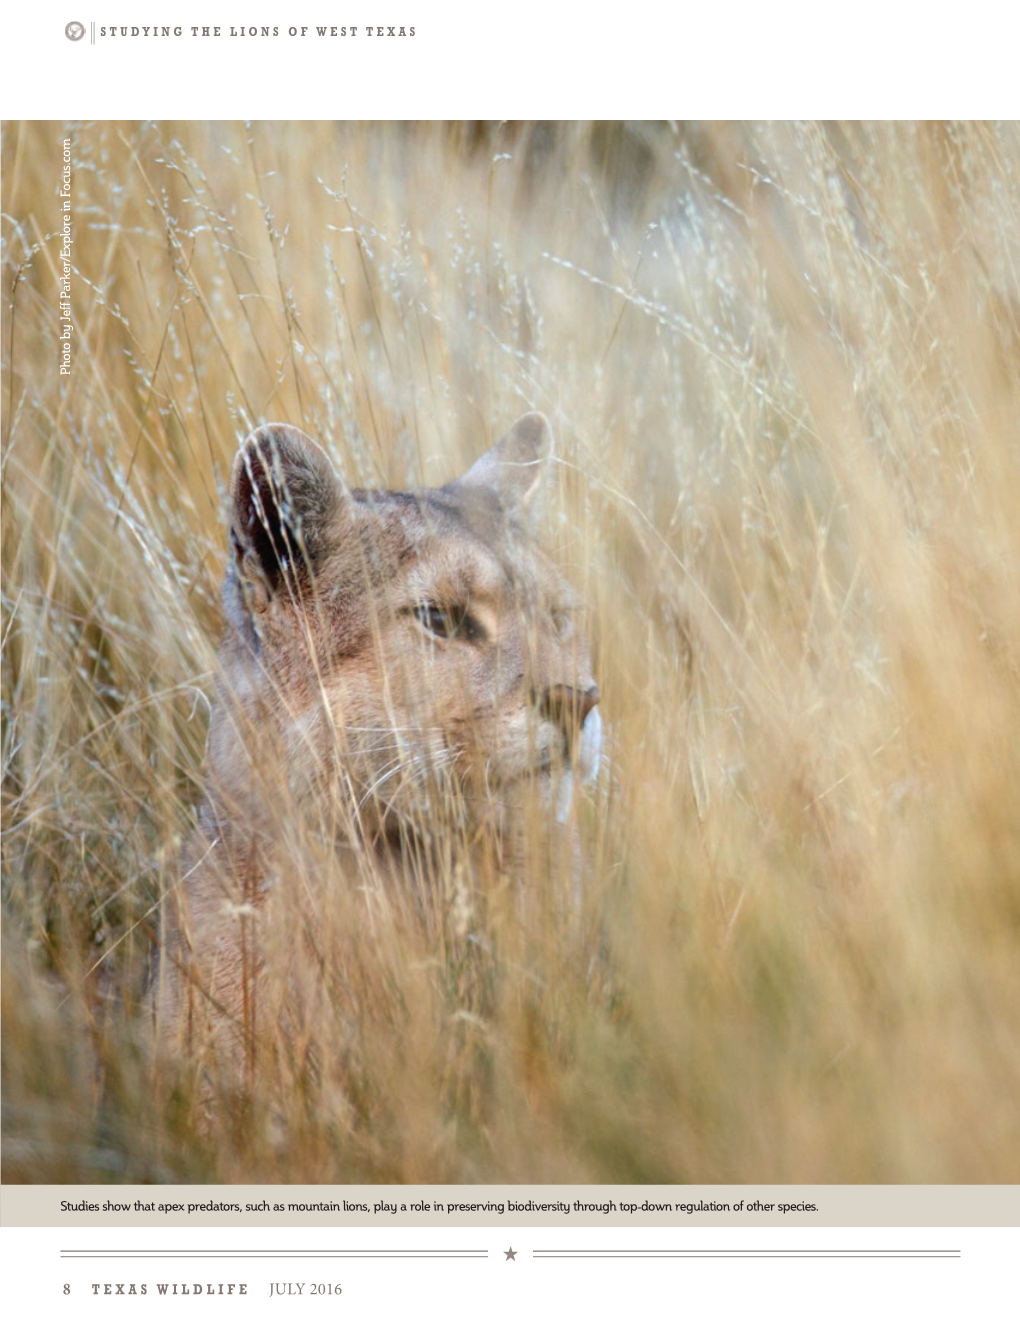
{"points": [[67, 1287]]}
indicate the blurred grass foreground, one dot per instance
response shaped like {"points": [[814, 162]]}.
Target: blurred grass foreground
{"points": [[783, 368]]}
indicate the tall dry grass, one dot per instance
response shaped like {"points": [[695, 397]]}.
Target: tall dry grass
{"points": [[783, 364]]}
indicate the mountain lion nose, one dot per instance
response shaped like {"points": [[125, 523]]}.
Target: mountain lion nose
{"points": [[568, 708]]}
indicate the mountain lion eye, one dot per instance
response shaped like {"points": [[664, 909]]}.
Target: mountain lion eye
{"points": [[448, 623]]}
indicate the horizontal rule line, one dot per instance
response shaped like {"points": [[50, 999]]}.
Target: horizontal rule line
{"points": [[243, 1254], [651, 1254]]}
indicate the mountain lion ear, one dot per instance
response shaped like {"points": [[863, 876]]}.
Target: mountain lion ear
{"points": [[516, 467], [284, 498]]}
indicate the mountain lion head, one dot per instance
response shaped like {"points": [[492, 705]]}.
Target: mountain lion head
{"points": [[410, 661]]}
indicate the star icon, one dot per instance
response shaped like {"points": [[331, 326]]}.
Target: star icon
{"points": [[511, 1254]]}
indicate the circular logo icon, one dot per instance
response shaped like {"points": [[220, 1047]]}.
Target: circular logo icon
{"points": [[74, 31]]}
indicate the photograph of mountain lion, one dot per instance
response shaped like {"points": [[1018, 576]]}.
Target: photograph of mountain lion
{"points": [[511, 653]]}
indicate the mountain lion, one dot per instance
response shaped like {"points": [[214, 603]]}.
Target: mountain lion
{"points": [[402, 675]]}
